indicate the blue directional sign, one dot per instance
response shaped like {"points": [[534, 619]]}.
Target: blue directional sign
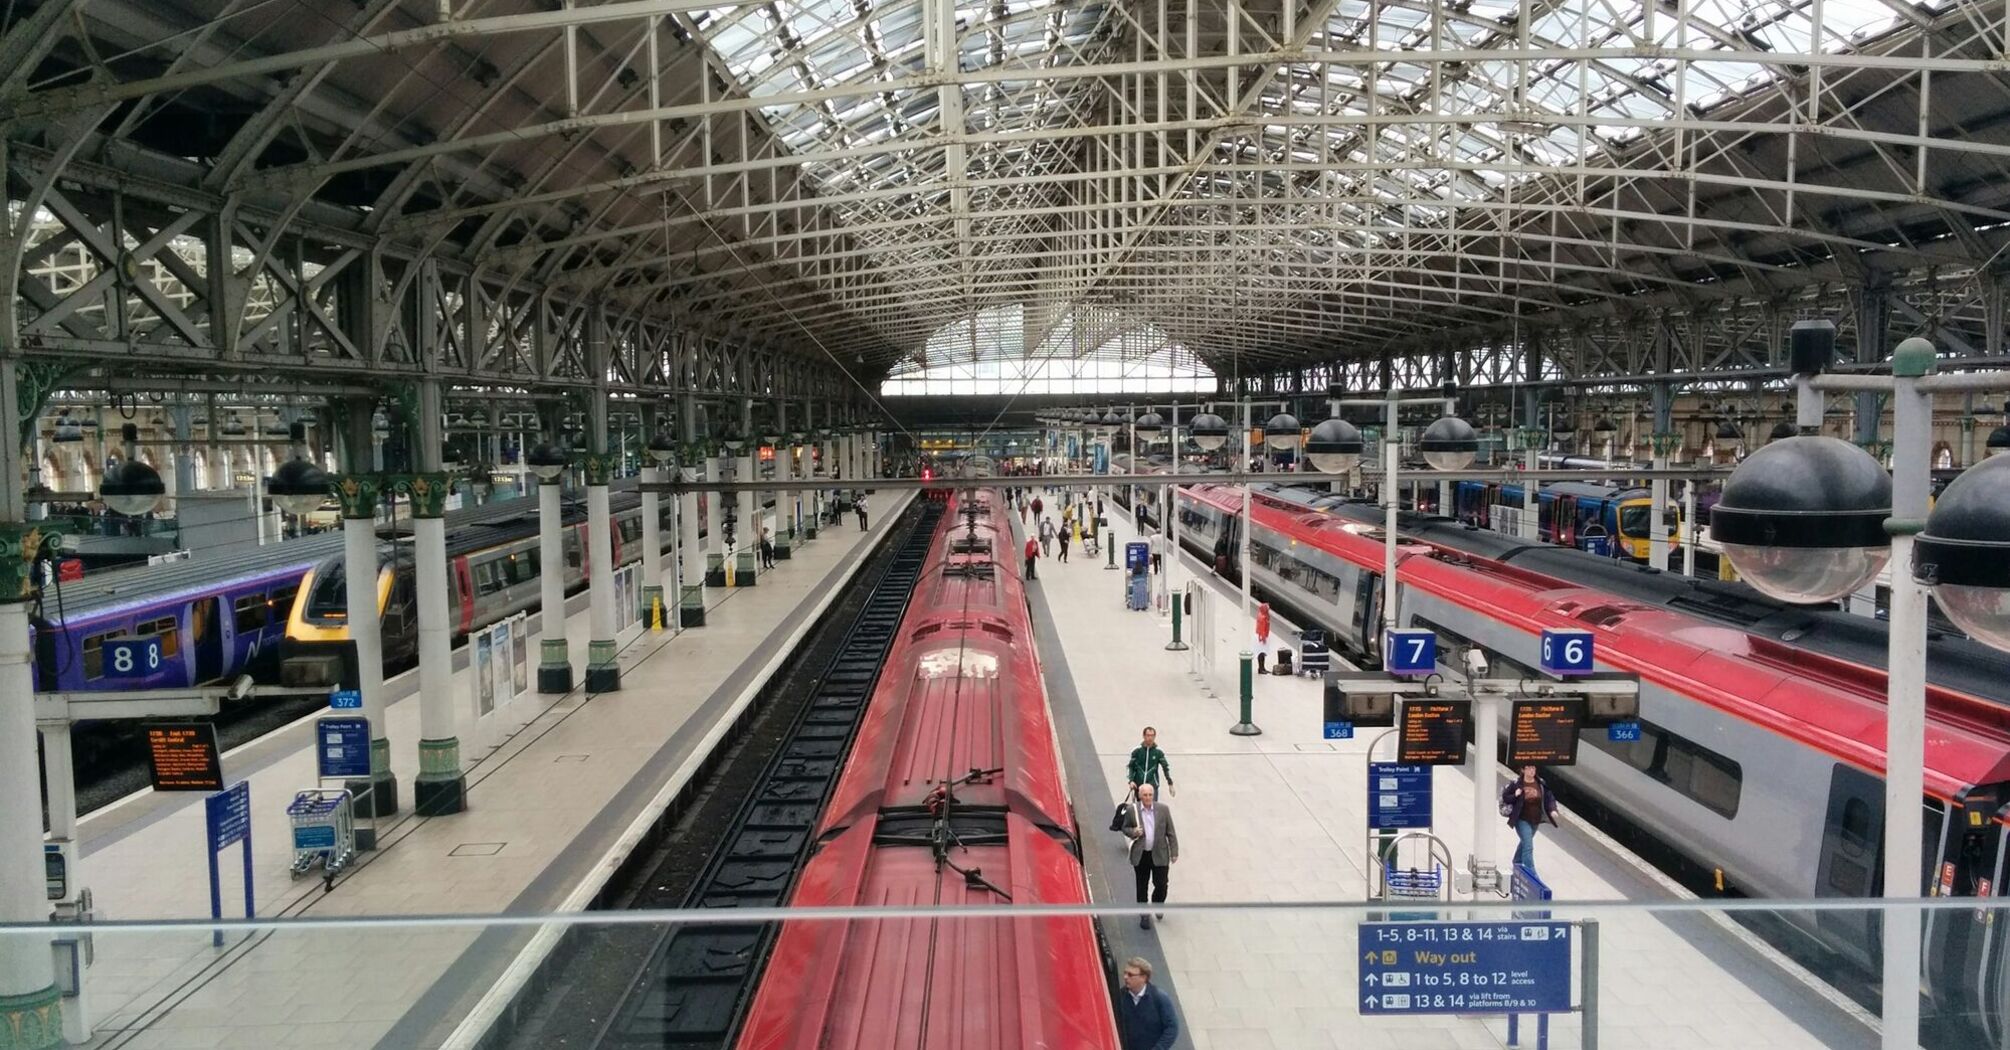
{"points": [[1623, 732], [1407, 650], [1399, 796], [1339, 730], [135, 656], [346, 700], [1567, 651], [229, 813], [342, 747], [1464, 967]]}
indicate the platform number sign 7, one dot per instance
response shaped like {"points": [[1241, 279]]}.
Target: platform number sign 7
{"points": [[1567, 652], [1410, 651], [133, 657]]}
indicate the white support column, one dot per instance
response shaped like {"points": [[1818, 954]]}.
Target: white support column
{"points": [[1485, 866], [786, 526], [690, 552], [1531, 504], [1690, 533], [30, 1007], [746, 509], [1392, 463], [603, 673], [442, 787], [715, 524], [360, 578], [652, 553], [1905, 696], [554, 667]]}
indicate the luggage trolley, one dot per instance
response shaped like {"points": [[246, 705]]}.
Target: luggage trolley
{"points": [[324, 832]]}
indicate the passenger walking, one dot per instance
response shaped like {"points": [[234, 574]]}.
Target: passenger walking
{"points": [[1022, 508], [1146, 1019], [767, 549], [1046, 533], [1032, 553], [1064, 546], [1148, 760], [1526, 802], [1037, 507], [1154, 848]]}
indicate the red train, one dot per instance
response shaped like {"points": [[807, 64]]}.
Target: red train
{"points": [[952, 796]]}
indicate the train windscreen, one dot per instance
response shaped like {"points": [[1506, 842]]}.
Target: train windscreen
{"points": [[329, 600]]}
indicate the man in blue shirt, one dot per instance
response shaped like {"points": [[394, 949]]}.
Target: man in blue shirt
{"points": [[1146, 1019]]}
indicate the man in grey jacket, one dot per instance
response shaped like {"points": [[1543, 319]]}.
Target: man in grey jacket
{"points": [[1154, 847]]}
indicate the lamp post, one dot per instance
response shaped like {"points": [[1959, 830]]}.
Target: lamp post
{"points": [[1810, 519]]}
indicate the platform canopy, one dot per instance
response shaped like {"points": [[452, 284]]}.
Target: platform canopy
{"points": [[1231, 184]]}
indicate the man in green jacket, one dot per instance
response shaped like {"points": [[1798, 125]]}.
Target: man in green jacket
{"points": [[1147, 761]]}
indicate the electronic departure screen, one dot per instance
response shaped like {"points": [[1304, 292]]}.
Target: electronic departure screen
{"points": [[183, 757], [1544, 732], [1434, 732]]}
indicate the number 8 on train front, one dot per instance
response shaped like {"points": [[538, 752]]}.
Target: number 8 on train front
{"points": [[1567, 652], [1410, 651]]}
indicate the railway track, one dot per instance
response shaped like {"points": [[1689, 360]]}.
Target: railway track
{"points": [[687, 987]]}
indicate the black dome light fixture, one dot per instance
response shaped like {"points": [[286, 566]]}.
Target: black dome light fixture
{"points": [[132, 487], [1802, 519], [662, 447], [548, 460], [1151, 425], [1964, 552], [1450, 443], [298, 486], [1280, 432], [1334, 446], [1209, 431]]}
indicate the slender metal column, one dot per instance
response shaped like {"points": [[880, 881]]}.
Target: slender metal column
{"points": [[31, 1013], [554, 667], [360, 495]]}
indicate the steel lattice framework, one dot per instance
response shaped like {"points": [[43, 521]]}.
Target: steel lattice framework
{"points": [[762, 197]]}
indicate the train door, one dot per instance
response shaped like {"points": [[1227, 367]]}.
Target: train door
{"points": [[1957, 942], [401, 621], [1368, 592], [1850, 865], [205, 625], [1564, 520]]}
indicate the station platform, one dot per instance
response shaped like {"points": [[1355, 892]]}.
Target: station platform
{"points": [[1280, 818], [552, 813]]}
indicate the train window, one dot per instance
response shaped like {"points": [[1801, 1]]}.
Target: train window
{"points": [[252, 614], [488, 578], [169, 631], [1855, 824], [281, 601], [572, 559], [330, 596], [1708, 778], [631, 530], [94, 654]]}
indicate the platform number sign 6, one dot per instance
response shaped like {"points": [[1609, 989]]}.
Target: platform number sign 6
{"points": [[1567, 652], [132, 657], [1410, 651]]}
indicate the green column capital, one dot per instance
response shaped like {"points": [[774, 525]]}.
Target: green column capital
{"points": [[1666, 443], [428, 492], [599, 467], [360, 495], [1527, 438], [19, 545]]}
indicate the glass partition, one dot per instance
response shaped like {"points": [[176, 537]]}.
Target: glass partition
{"points": [[1427, 973]]}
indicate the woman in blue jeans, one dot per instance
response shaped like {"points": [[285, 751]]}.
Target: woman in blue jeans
{"points": [[1526, 802]]}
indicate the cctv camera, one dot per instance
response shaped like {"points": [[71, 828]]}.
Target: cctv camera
{"points": [[1476, 662]]}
